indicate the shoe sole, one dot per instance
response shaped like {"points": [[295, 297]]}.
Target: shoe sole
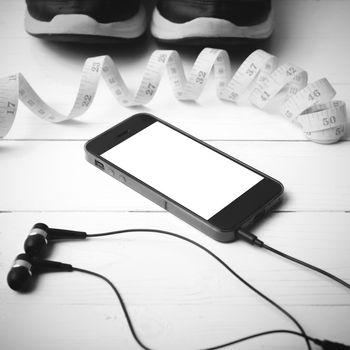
{"points": [[77, 27], [208, 30]]}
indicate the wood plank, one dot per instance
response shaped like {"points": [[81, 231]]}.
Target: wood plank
{"points": [[178, 297], [186, 302], [53, 175]]}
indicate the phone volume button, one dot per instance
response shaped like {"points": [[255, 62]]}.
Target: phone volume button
{"points": [[122, 179], [110, 171]]}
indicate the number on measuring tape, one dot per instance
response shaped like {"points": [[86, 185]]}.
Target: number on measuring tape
{"points": [[311, 106]]}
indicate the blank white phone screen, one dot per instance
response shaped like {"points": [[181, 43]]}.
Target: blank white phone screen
{"points": [[193, 175]]}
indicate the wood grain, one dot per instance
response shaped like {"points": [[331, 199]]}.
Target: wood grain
{"points": [[178, 297], [53, 175]]}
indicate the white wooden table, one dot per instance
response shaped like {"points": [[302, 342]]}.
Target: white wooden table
{"points": [[178, 297]]}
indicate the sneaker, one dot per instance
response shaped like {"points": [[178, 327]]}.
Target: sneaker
{"points": [[85, 20], [212, 21]]}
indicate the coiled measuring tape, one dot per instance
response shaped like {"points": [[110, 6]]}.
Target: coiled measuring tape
{"points": [[321, 118]]}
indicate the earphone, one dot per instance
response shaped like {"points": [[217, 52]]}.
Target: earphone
{"points": [[24, 267], [30, 264], [41, 234]]}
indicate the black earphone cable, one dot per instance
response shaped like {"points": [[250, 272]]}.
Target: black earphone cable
{"points": [[139, 342], [121, 301], [303, 263], [253, 239], [21, 272], [280, 308]]}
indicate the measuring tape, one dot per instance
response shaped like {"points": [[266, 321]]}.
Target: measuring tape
{"points": [[311, 106]]}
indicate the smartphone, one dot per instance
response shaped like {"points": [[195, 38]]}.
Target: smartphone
{"points": [[196, 182]]}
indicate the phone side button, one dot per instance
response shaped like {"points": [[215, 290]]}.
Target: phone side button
{"points": [[110, 171], [122, 179]]}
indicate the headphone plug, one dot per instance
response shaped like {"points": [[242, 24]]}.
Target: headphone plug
{"points": [[250, 238], [329, 345]]}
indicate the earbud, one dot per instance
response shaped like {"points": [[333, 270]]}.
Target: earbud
{"points": [[20, 272], [24, 267], [41, 234]]}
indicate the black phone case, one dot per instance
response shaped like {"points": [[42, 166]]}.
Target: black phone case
{"points": [[222, 235]]}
